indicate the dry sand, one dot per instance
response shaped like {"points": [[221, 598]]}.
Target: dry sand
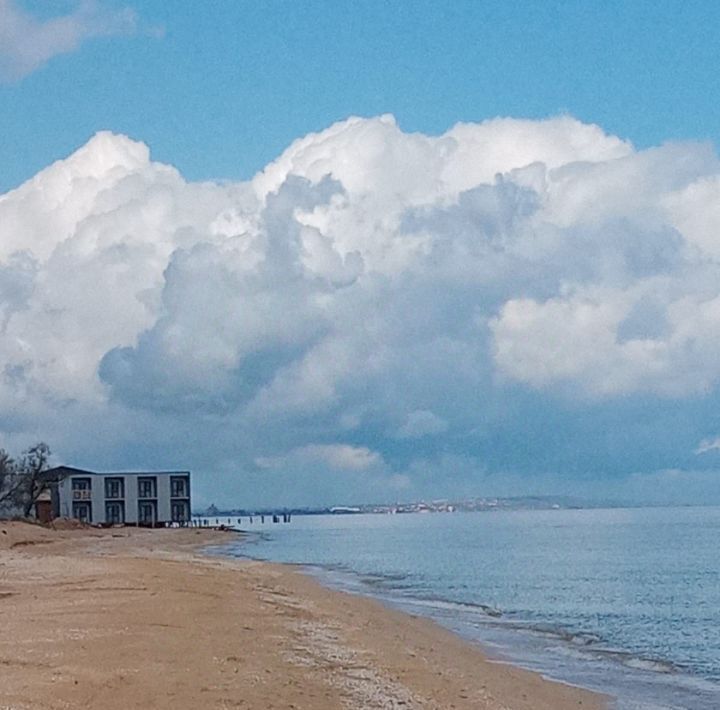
{"points": [[132, 618]]}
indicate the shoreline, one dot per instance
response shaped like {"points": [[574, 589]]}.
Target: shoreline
{"points": [[500, 647], [613, 637], [137, 618]]}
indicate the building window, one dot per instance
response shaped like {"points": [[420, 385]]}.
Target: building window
{"points": [[179, 487], [114, 488], [147, 487], [180, 511], [81, 489], [115, 513], [82, 511], [147, 512]]}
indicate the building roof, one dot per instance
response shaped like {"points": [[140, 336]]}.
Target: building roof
{"points": [[64, 471]]}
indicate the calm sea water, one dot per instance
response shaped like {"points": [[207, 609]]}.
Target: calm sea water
{"points": [[625, 600]]}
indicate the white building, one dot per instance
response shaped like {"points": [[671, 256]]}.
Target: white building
{"points": [[132, 497]]}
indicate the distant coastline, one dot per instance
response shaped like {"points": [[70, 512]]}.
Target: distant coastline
{"points": [[463, 505]]}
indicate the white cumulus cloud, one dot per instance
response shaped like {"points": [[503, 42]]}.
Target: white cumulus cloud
{"points": [[369, 286]]}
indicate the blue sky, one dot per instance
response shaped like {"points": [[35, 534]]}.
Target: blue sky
{"points": [[219, 89], [502, 278]]}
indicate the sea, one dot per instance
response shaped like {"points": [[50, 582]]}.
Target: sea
{"points": [[624, 601]]}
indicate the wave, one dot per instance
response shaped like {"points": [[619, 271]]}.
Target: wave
{"points": [[397, 590]]}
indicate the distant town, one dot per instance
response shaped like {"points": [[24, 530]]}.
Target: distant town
{"points": [[434, 506]]}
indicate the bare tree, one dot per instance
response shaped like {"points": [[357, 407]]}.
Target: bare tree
{"points": [[31, 470], [8, 477]]}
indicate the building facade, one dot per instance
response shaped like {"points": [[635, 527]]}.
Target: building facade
{"points": [[129, 498]]}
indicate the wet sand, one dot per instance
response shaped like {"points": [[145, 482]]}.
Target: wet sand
{"points": [[130, 618]]}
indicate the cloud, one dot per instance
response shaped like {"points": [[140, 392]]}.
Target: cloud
{"points": [[327, 474], [406, 311], [27, 43], [580, 340], [421, 423], [708, 445], [335, 456]]}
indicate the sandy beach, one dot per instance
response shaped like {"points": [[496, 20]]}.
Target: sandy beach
{"points": [[133, 618]]}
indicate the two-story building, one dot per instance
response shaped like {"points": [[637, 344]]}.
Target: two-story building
{"points": [[131, 497]]}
